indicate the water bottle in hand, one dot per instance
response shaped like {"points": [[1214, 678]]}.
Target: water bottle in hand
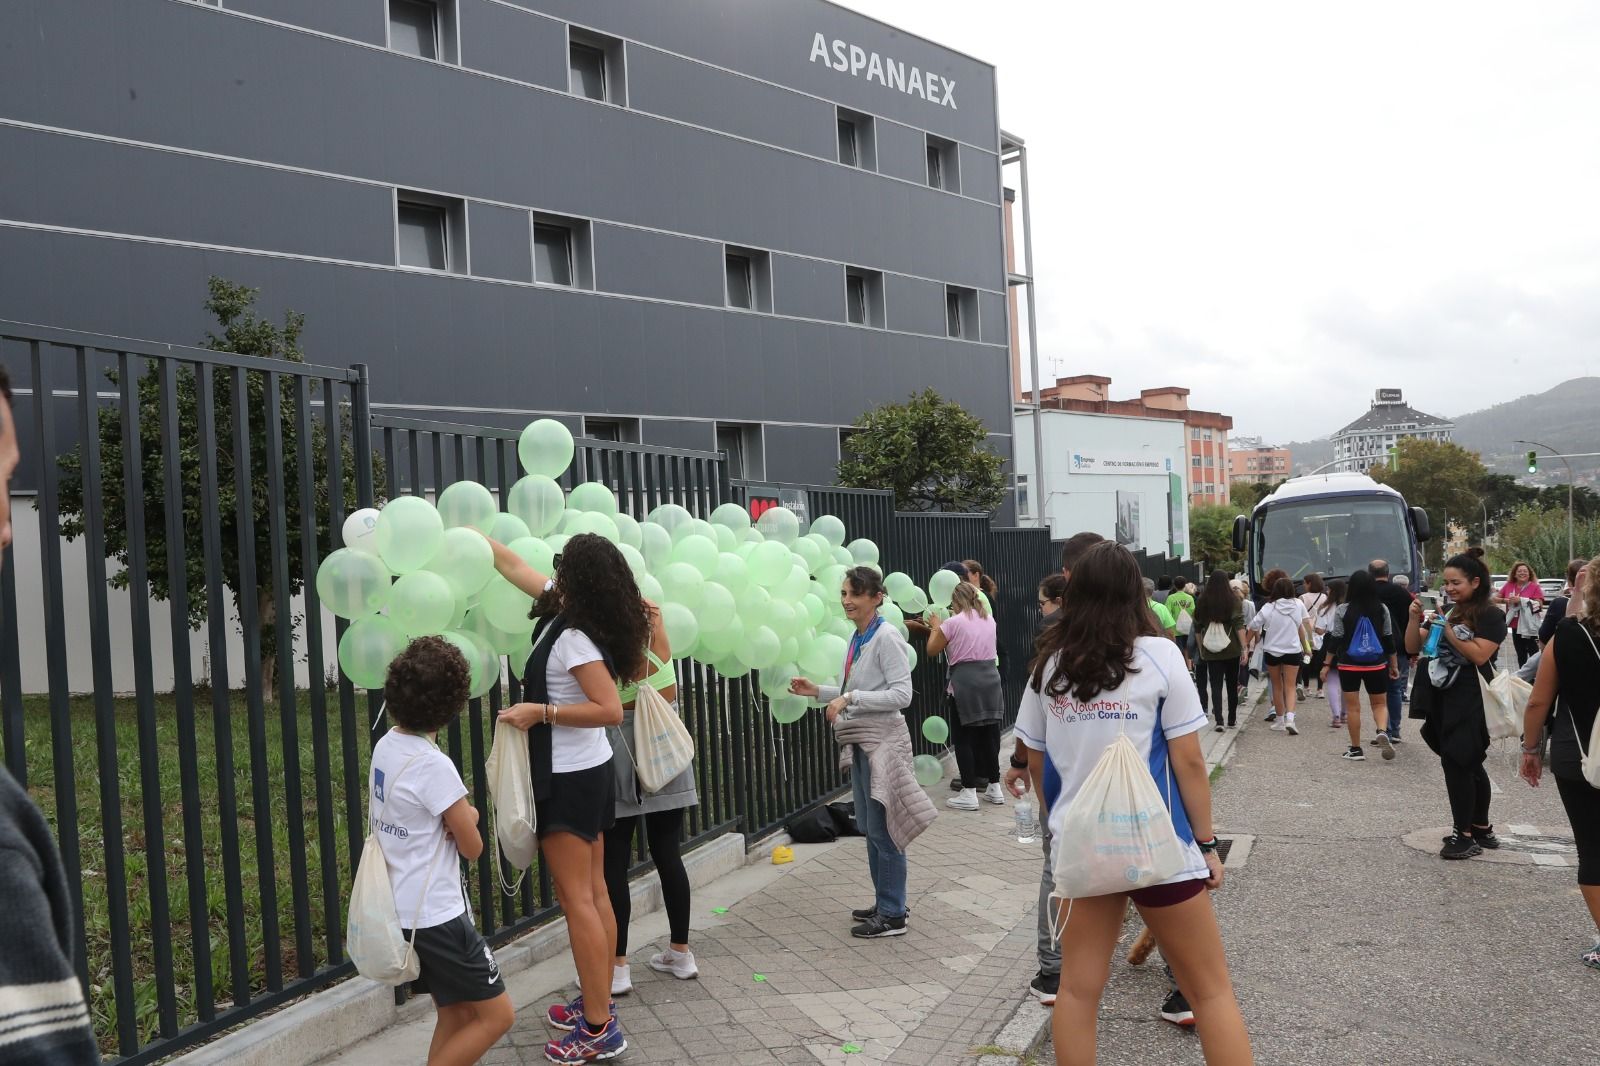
{"points": [[1027, 821], [1430, 647]]}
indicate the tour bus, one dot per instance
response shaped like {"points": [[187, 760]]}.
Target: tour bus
{"points": [[1331, 524]]}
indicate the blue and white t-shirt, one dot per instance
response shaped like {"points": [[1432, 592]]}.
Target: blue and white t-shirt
{"points": [[1074, 733]]}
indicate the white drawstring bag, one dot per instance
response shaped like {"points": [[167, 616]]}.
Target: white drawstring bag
{"points": [[1216, 638], [1504, 700], [373, 934], [662, 746], [1184, 622], [510, 779]]}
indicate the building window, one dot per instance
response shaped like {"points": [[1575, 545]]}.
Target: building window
{"points": [[430, 232], [863, 297], [742, 443], [961, 312], [846, 434], [748, 278], [856, 144], [595, 67], [619, 430], [561, 252], [1024, 502], [588, 71], [423, 28], [944, 168], [1195, 461]]}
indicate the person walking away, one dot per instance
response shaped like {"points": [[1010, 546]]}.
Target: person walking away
{"points": [[49, 1020], [1364, 653], [1397, 598], [1180, 605], [1284, 632], [1523, 598], [1570, 601], [1163, 586], [1163, 617], [593, 629], [1219, 616], [418, 809], [865, 712], [1315, 597], [1449, 700], [1569, 681], [660, 815], [1333, 597], [1105, 651], [967, 639]]}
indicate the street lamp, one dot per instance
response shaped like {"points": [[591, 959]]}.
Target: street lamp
{"points": [[1558, 455]]}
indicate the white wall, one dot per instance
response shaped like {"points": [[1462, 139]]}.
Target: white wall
{"points": [[1074, 502]]}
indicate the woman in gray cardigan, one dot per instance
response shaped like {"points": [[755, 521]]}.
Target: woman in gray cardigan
{"points": [[864, 710]]}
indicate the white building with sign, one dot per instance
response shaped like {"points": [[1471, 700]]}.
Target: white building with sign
{"points": [[1120, 476], [1365, 442]]}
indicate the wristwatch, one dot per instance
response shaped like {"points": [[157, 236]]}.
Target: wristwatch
{"points": [[1018, 764]]}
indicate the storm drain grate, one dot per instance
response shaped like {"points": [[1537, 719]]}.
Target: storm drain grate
{"points": [[1224, 845]]}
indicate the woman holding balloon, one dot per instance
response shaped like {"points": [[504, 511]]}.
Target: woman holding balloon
{"points": [[865, 712]]}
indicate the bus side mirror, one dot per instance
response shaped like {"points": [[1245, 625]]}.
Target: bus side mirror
{"points": [[1419, 520], [1241, 533]]}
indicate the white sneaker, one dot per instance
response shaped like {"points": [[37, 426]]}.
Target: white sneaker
{"points": [[679, 964], [1277, 724], [621, 980], [965, 800], [992, 794]]}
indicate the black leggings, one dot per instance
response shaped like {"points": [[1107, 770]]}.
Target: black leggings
{"points": [[978, 754], [1583, 811], [663, 830], [1525, 646], [1311, 672], [1220, 674], [1468, 787]]}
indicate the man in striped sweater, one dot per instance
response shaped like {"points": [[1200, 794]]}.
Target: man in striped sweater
{"points": [[43, 1018]]}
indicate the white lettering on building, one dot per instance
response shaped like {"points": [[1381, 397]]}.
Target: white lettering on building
{"points": [[891, 73]]}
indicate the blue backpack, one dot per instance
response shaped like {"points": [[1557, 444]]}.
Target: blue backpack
{"points": [[1364, 649]]}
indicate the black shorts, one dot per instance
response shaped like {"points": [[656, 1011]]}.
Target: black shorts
{"points": [[1376, 682], [582, 802], [1291, 659], [457, 965]]}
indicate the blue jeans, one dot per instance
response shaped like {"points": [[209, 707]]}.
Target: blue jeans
{"points": [[887, 862], [1396, 695]]}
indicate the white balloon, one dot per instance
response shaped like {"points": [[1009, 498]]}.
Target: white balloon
{"points": [[360, 531]]}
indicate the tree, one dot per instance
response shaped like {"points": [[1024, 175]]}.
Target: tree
{"points": [[930, 451], [1244, 495], [243, 333], [1211, 537], [1537, 535], [1442, 478]]}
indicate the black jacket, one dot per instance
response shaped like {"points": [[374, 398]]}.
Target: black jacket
{"points": [[1398, 600]]}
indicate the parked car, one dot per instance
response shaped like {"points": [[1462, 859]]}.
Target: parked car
{"points": [[1553, 586]]}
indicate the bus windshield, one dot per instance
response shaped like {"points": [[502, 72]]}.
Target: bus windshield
{"points": [[1333, 536]]}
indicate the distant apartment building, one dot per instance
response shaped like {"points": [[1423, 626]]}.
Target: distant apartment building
{"points": [[1249, 459], [1365, 442]]}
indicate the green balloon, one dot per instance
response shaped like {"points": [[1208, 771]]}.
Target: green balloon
{"points": [[635, 560], [507, 527], [775, 679], [830, 529], [812, 603], [538, 501], [650, 588], [897, 585], [353, 584], [809, 554], [824, 656], [545, 447], [755, 606], [787, 709], [731, 516], [482, 664], [911, 656], [731, 667], [769, 563], [915, 602], [422, 603], [627, 530], [694, 527], [699, 552], [655, 544], [782, 618], [601, 525], [669, 516], [731, 573], [409, 531], [789, 650], [794, 586], [593, 496], [863, 551], [367, 648], [478, 624], [467, 503], [842, 557], [571, 522], [682, 584], [717, 608], [752, 536], [928, 770], [506, 607], [761, 648], [555, 542], [832, 579], [779, 524], [724, 641], [727, 539], [535, 552], [940, 586], [936, 730], [682, 629], [465, 560]]}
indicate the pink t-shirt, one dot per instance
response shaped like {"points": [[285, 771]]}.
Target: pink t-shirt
{"points": [[1531, 591], [971, 638]]}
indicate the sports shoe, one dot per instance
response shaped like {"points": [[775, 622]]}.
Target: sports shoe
{"points": [[1385, 745], [878, 926], [1277, 724], [568, 1016], [1044, 987], [1591, 958], [1333, 723], [580, 1045], [1175, 1009], [956, 784], [1395, 740], [867, 912], [1272, 716], [1299, 693], [1354, 755], [1289, 727], [965, 800], [1221, 728], [1459, 847], [1485, 837], [679, 964], [993, 795], [621, 980]]}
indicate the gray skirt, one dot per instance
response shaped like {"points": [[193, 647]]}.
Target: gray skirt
{"points": [[631, 799], [979, 696]]}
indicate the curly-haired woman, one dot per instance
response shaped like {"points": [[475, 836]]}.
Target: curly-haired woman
{"points": [[593, 629]]}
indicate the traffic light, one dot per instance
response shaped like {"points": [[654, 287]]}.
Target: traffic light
{"points": [[1533, 462]]}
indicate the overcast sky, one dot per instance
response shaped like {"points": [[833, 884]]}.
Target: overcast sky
{"points": [[1284, 205]]}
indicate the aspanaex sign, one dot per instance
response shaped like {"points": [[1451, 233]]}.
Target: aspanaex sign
{"points": [[890, 73]]}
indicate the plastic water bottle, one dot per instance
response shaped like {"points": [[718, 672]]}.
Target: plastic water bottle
{"points": [[1430, 647], [1027, 821]]}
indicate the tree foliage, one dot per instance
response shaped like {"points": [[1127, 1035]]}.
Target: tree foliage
{"points": [[1211, 537], [1537, 535], [1440, 477], [930, 451], [243, 332], [1244, 495]]}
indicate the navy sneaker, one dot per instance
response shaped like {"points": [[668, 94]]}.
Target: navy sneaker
{"points": [[568, 1016], [580, 1045]]}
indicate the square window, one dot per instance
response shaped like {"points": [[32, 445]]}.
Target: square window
{"points": [[423, 236], [943, 164], [595, 67], [588, 71], [741, 291], [747, 274], [856, 144], [742, 443], [414, 27], [552, 258], [961, 312]]}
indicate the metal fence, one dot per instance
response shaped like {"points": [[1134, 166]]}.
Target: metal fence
{"points": [[210, 854]]}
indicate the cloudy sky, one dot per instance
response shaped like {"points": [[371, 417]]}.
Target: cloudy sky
{"points": [[1285, 205]]}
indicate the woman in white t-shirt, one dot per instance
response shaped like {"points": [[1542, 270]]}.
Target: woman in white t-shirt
{"points": [[1283, 630], [593, 629], [1103, 670]]}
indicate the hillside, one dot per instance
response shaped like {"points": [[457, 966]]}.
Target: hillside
{"points": [[1566, 417]]}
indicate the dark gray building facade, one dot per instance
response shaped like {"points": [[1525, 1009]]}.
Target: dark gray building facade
{"points": [[695, 223]]}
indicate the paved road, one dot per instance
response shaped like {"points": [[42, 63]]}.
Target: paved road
{"points": [[1349, 947]]}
